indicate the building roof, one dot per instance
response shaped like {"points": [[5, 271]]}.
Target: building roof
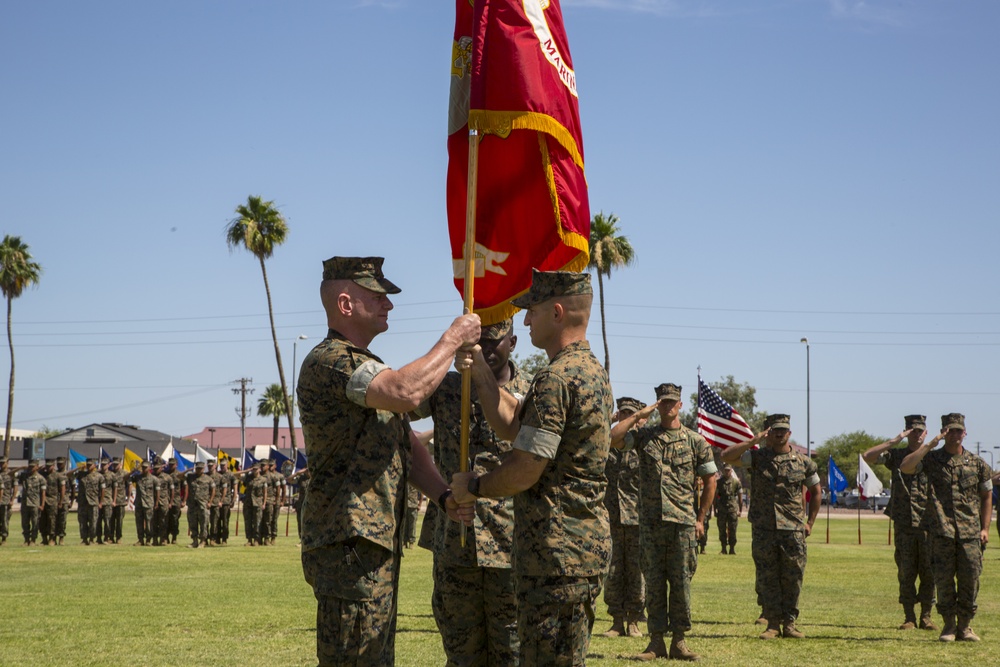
{"points": [[228, 437]]}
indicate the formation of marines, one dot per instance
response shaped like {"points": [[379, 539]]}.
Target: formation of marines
{"points": [[157, 492], [561, 490]]}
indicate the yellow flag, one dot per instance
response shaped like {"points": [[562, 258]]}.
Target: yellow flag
{"points": [[132, 461]]}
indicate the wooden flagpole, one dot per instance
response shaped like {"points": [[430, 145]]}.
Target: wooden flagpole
{"points": [[469, 284]]}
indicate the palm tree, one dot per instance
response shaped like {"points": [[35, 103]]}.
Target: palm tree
{"points": [[272, 404], [259, 228], [17, 271], [608, 251]]}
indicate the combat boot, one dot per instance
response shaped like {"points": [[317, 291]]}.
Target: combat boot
{"points": [[679, 649], [773, 631], [761, 620], [910, 619], [617, 628], [791, 632], [632, 629], [724, 552], [926, 623], [656, 648], [732, 549], [948, 634], [965, 633]]}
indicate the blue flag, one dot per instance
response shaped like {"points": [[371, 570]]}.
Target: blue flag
{"points": [[279, 460], [151, 456], [105, 456], [300, 461], [76, 459], [183, 463], [248, 460], [836, 480]]}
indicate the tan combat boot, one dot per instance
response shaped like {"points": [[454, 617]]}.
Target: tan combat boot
{"points": [[910, 620], [948, 634], [773, 631], [926, 623], [791, 632], [656, 648], [965, 633], [679, 649], [632, 628], [617, 627], [761, 620]]}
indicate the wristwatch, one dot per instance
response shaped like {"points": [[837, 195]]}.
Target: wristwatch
{"points": [[474, 487]]}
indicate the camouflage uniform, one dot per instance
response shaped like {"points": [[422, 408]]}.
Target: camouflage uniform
{"points": [[728, 493], [92, 488], [913, 545], [6, 498], [173, 517], [779, 522], [671, 461], [703, 540], [562, 537], [301, 490], [359, 458], [225, 493], [413, 500], [474, 600], [48, 519], [119, 495], [624, 590], [199, 495], [253, 507], [277, 485], [147, 487], [952, 518], [32, 489], [104, 529], [170, 493]]}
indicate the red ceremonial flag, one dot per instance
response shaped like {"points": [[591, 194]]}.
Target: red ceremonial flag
{"points": [[513, 81]]}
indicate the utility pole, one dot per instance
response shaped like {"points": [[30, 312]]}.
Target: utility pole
{"points": [[241, 412]]}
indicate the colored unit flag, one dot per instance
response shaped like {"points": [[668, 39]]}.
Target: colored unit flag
{"points": [[300, 461], [869, 485], [130, 460], [718, 422], [280, 460], [228, 461], [836, 480], [76, 459], [512, 80], [105, 456], [183, 462], [151, 456], [248, 460]]}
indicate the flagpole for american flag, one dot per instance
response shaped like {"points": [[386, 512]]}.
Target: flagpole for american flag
{"points": [[468, 294]]}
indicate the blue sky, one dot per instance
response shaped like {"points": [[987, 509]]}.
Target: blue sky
{"points": [[785, 169]]}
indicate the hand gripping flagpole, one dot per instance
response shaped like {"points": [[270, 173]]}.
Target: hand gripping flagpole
{"points": [[469, 284]]}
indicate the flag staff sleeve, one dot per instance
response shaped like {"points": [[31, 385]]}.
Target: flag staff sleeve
{"points": [[470, 278]]}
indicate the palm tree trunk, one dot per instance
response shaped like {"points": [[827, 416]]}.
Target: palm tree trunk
{"points": [[277, 356], [604, 329], [274, 433], [10, 392]]}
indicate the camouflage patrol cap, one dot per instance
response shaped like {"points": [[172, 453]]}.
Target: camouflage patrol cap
{"points": [[49, 462], [199, 464], [365, 271], [212, 462], [144, 465], [778, 421], [498, 330], [918, 422], [548, 284], [172, 460], [668, 392], [60, 459], [953, 420], [33, 462], [92, 462], [631, 404]]}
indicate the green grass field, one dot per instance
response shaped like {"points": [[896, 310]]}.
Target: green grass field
{"points": [[103, 605]]}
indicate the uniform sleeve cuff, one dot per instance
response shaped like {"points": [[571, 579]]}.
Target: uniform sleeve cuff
{"points": [[357, 386], [536, 441]]}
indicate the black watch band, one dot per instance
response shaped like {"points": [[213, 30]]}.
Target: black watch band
{"points": [[474, 487], [443, 497]]}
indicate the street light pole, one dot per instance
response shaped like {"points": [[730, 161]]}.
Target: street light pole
{"points": [[212, 433], [808, 407], [295, 349]]}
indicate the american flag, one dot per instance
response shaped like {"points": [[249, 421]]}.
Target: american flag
{"points": [[719, 423]]}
